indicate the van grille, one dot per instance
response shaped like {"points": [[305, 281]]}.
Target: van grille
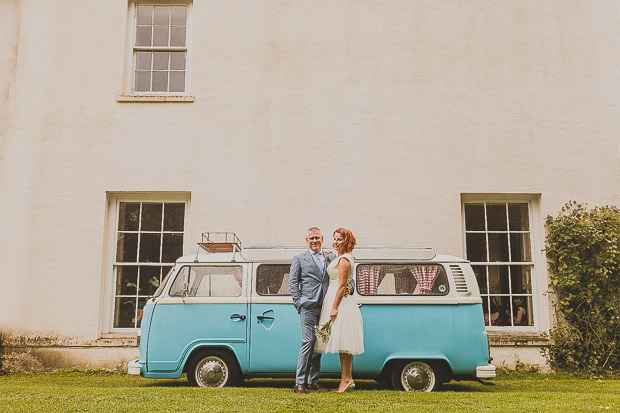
{"points": [[459, 278]]}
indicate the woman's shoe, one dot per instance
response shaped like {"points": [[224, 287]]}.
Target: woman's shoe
{"points": [[350, 386]]}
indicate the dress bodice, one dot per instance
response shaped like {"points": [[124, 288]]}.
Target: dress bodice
{"points": [[332, 268]]}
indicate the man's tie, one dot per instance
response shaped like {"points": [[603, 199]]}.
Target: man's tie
{"points": [[319, 263]]}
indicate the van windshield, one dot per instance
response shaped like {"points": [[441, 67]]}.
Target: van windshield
{"points": [[163, 284]]}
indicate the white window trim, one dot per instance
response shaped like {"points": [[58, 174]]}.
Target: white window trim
{"points": [[127, 94], [540, 279], [106, 321]]}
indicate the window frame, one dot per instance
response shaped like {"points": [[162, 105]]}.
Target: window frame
{"points": [[539, 279], [129, 94], [111, 229]]}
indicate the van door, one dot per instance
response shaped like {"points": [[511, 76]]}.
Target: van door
{"points": [[206, 305], [275, 329]]}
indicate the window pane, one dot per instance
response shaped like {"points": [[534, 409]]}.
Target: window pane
{"points": [[160, 60], [481, 277], [143, 35], [160, 36], [149, 280], [520, 278], [399, 279], [174, 216], [498, 279], [128, 216], [125, 312], [126, 247], [476, 247], [162, 15], [518, 217], [209, 282], [143, 82], [177, 36], [145, 15], [496, 217], [177, 81], [143, 60], [179, 15], [522, 311], [520, 249], [272, 280], [151, 216], [474, 217], [149, 247], [172, 247], [498, 247], [160, 81], [177, 60], [500, 311], [126, 280]]}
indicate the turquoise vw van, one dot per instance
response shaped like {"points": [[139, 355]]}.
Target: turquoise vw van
{"points": [[221, 317]]}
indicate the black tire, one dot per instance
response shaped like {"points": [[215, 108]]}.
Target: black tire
{"points": [[212, 368], [417, 376]]}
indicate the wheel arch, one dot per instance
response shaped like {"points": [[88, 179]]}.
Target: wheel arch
{"points": [[200, 348], [437, 361]]}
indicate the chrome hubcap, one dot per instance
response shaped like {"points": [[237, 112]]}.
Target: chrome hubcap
{"points": [[211, 372], [418, 377]]}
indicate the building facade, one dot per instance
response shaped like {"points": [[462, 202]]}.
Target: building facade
{"points": [[128, 128]]}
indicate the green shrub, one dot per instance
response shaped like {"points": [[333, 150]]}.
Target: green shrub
{"points": [[583, 252]]}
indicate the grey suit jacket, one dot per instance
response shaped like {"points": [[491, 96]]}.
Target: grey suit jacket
{"points": [[306, 282]]}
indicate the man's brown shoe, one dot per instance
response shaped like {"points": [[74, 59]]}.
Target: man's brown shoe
{"points": [[317, 387], [300, 389]]}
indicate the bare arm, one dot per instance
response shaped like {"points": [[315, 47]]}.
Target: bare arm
{"points": [[344, 266], [520, 314]]}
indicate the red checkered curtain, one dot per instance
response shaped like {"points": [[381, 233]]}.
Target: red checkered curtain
{"points": [[425, 275], [368, 279]]}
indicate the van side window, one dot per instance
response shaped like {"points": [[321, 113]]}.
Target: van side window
{"points": [[208, 281], [401, 279], [272, 279]]}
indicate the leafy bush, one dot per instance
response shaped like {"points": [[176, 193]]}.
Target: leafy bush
{"points": [[583, 252]]}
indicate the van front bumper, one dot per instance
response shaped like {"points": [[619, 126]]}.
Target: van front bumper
{"points": [[134, 367], [485, 372]]}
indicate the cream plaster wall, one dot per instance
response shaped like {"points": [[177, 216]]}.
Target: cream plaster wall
{"points": [[372, 115]]}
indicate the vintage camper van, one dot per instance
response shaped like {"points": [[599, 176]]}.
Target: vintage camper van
{"points": [[224, 316]]}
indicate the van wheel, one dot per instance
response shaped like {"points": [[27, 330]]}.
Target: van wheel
{"points": [[212, 369], [416, 376]]}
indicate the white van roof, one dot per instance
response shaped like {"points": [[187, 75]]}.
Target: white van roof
{"points": [[286, 254]]}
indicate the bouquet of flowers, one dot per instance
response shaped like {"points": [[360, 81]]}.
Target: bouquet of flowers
{"points": [[323, 331]]}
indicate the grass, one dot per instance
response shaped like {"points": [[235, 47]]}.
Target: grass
{"points": [[103, 391]]}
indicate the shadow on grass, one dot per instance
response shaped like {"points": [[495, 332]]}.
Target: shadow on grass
{"points": [[256, 383]]}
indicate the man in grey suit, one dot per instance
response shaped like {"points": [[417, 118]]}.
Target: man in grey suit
{"points": [[308, 282]]}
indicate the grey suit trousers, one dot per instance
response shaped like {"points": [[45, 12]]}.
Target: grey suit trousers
{"points": [[309, 319]]}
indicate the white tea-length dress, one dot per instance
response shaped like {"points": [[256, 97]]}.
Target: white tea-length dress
{"points": [[347, 332]]}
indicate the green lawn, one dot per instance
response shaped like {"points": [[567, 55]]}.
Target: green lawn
{"points": [[87, 391]]}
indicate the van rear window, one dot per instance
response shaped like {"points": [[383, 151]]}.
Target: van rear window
{"points": [[402, 279]]}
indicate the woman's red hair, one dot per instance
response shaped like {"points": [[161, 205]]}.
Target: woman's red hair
{"points": [[348, 242]]}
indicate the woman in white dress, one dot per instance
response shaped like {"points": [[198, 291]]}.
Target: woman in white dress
{"points": [[347, 330]]}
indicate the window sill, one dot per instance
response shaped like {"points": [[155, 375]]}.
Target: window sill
{"points": [[514, 339], [155, 98]]}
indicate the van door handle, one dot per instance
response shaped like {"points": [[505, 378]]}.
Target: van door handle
{"points": [[237, 316], [262, 317]]}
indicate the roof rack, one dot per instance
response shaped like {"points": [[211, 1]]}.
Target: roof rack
{"points": [[220, 242]]}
